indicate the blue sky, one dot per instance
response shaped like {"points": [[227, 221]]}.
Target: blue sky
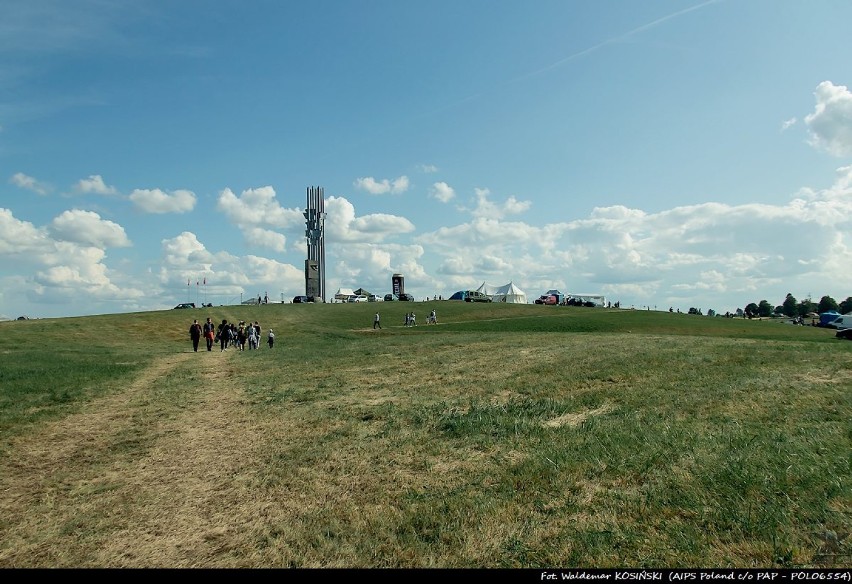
{"points": [[663, 153]]}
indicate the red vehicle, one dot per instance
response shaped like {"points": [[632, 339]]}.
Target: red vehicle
{"points": [[547, 299]]}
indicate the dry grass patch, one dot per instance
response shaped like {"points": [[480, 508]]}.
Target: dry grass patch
{"points": [[574, 419], [835, 376], [183, 495]]}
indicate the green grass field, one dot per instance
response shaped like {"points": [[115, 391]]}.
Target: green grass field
{"points": [[505, 436]]}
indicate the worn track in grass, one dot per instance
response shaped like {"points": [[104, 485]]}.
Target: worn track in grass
{"points": [[162, 480]]}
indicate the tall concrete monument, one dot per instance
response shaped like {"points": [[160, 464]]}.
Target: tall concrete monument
{"points": [[315, 234]]}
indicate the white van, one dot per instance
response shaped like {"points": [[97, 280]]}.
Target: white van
{"points": [[843, 322]]}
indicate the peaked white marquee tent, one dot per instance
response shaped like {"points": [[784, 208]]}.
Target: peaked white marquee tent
{"points": [[508, 293], [343, 294]]}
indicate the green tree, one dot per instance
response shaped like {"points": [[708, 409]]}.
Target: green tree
{"points": [[827, 304], [764, 309], [845, 306], [789, 305], [805, 307], [751, 309]]}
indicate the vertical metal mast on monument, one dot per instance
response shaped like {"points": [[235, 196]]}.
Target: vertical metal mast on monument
{"points": [[315, 234]]}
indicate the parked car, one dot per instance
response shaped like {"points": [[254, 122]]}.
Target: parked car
{"points": [[391, 297], [185, 305], [547, 299], [406, 297], [844, 334], [357, 298], [578, 302], [374, 298], [300, 299], [474, 296]]}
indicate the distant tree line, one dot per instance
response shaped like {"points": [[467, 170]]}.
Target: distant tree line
{"points": [[793, 308]]}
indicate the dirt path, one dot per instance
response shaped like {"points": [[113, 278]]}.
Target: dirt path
{"points": [[134, 480]]}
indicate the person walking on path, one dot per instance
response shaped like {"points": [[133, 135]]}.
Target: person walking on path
{"points": [[376, 322], [252, 337], [209, 333], [195, 334], [223, 334]]}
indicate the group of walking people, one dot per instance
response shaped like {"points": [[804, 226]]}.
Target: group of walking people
{"points": [[227, 335], [410, 319]]}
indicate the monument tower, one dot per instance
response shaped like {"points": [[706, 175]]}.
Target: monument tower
{"points": [[315, 234]]}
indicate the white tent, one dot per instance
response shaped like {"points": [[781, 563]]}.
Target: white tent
{"points": [[343, 294], [509, 293]]}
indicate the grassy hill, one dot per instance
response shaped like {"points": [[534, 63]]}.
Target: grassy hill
{"points": [[506, 436]]}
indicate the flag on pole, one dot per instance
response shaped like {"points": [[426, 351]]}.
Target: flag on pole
{"points": [[205, 281], [187, 281]]}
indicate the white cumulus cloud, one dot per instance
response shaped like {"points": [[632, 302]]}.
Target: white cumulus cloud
{"points": [[186, 259], [257, 207], [19, 179], [65, 259], [185, 250], [258, 215], [265, 238], [442, 191], [87, 228], [20, 237], [341, 224], [384, 186], [830, 124], [157, 201], [490, 210], [94, 185]]}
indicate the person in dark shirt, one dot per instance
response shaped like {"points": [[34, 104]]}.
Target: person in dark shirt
{"points": [[224, 335], [195, 334]]}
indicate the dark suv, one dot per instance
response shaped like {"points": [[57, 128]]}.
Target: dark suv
{"points": [[406, 297], [300, 299]]}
